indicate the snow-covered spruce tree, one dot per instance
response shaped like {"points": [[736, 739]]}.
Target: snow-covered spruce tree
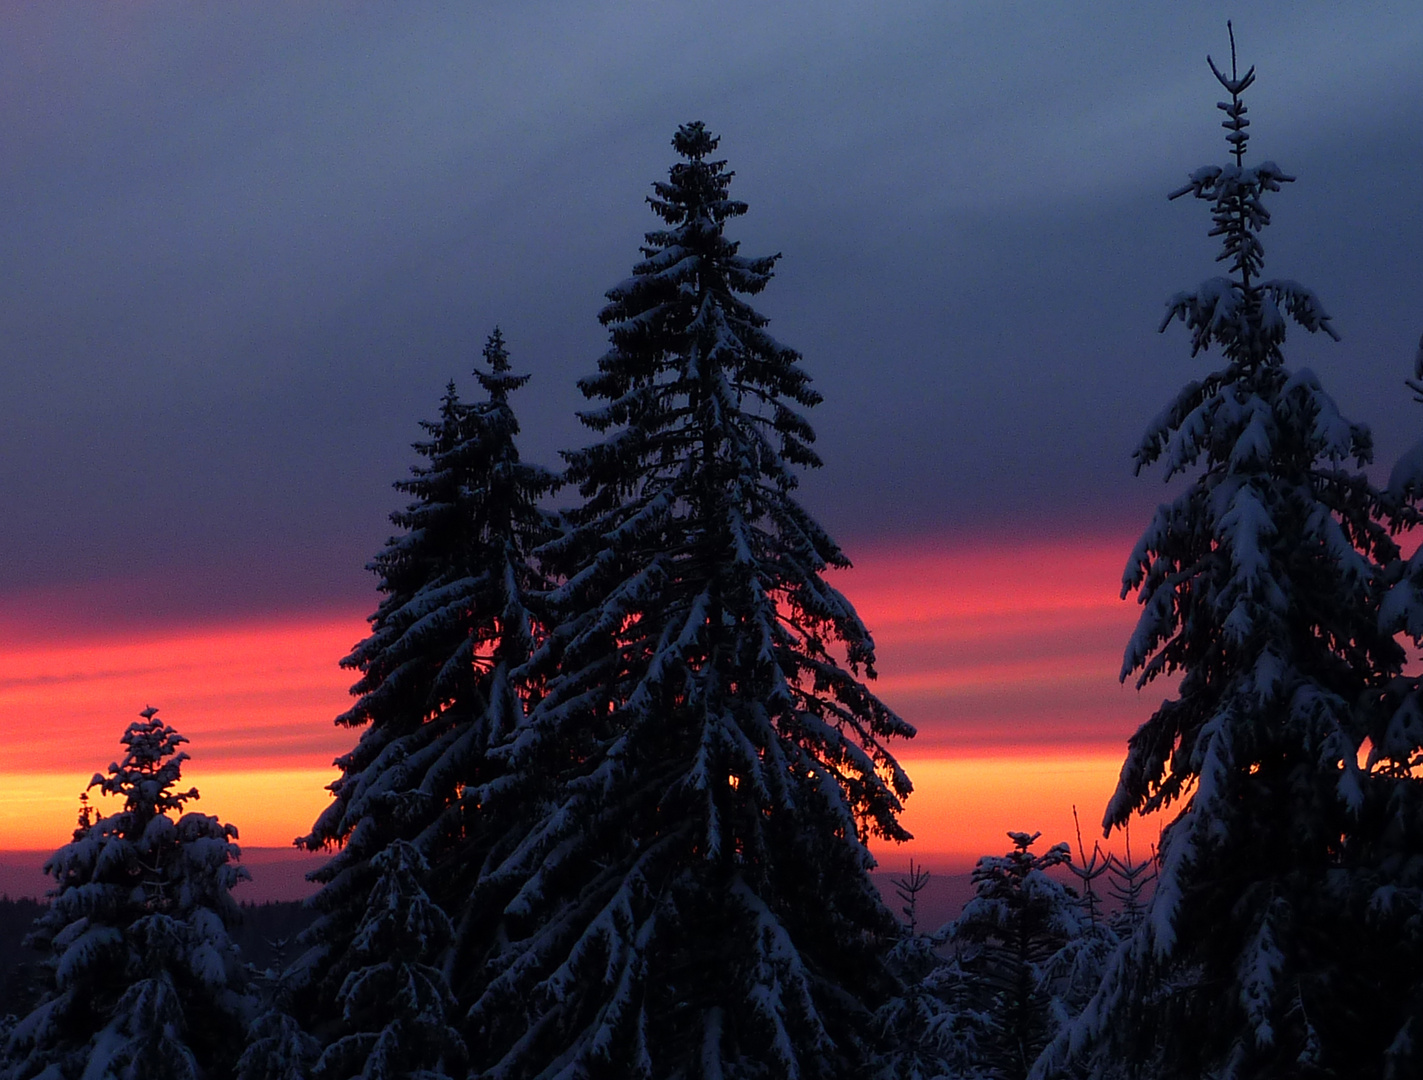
{"points": [[697, 904], [1393, 892], [278, 1047], [147, 983], [1130, 882], [934, 1027], [395, 1002], [1018, 941], [1259, 586], [437, 688]]}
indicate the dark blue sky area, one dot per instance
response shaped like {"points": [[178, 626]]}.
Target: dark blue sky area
{"points": [[245, 246]]}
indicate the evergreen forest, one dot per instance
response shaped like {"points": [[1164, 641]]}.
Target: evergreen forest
{"points": [[620, 753]]}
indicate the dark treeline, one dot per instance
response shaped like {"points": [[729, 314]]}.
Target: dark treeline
{"points": [[619, 764], [267, 933], [20, 964]]}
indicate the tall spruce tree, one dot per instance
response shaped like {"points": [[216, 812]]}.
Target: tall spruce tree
{"points": [[147, 984], [696, 903], [1259, 586], [438, 687]]}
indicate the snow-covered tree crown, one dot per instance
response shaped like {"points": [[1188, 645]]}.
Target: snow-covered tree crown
{"points": [[443, 576], [707, 181], [146, 981], [682, 315], [1250, 412], [705, 442], [497, 381], [1245, 316], [1274, 514], [694, 900], [148, 775]]}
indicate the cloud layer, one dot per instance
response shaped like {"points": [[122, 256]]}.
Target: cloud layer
{"points": [[1004, 655], [244, 249]]}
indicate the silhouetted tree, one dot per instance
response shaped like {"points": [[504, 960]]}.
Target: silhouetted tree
{"points": [[438, 688], [696, 902], [1013, 938], [147, 985], [1259, 585]]}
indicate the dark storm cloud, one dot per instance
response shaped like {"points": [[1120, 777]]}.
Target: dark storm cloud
{"points": [[244, 247]]}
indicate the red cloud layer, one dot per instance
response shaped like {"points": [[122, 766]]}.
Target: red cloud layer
{"points": [[1014, 644], [1005, 656], [253, 695]]}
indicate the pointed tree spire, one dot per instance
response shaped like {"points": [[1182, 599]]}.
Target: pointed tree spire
{"points": [[1259, 587], [497, 381], [150, 769]]}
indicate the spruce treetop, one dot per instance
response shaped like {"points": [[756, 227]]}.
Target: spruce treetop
{"points": [[1242, 314], [694, 141], [682, 313], [439, 693], [1223, 572], [472, 515], [149, 772], [691, 491], [146, 980], [497, 381], [1022, 939]]}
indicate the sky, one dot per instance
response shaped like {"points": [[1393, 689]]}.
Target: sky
{"points": [[245, 246]]}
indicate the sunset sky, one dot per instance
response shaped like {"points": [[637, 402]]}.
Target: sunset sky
{"points": [[1015, 725], [246, 245]]}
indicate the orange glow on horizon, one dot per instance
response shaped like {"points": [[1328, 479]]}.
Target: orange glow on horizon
{"points": [[270, 807], [961, 808], [1005, 658], [964, 807]]}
